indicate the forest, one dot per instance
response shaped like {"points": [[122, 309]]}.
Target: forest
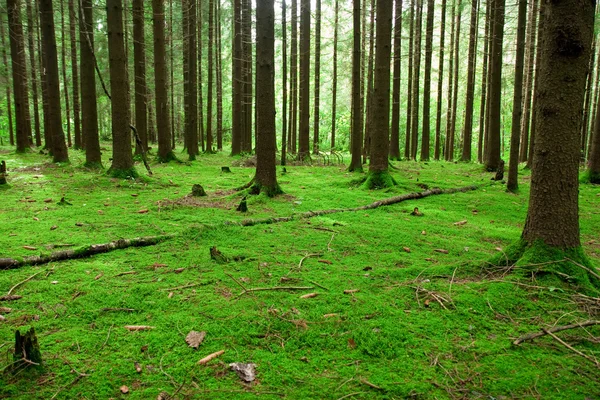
{"points": [[302, 199]]}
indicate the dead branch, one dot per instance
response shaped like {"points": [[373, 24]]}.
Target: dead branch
{"points": [[568, 346], [275, 288], [107, 309], [534, 335], [210, 357], [83, 252], [181, 287], [22, 282], [583, 267], [319, 285]]}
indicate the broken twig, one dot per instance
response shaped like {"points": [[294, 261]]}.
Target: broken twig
{"points": [[534, 335]]}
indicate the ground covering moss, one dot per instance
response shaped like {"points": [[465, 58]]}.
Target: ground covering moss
{"points": [[391, 332]]}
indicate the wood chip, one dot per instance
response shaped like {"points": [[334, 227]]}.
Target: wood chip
{"points": [[406, 249], [459, 223], [47, 200], [325, 262], [330, 315], [309, 295], [143, 211], [5, 310], [350, 291], [179, 270], [195, 339], [29, 248], [100, 212], [210, 357], [36, 219], [170, 295], [100, 275], [53, 227], [443, 251], [138, 327]]}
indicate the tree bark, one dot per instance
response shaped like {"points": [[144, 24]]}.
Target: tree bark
{"points": [[534, 108], [209, 89], [219, 77], [75, 76], [448, 155], [237, 114], [63, 58], [529, 68], [468, 125], [190, 78], [452, 134], [11, 134], [284, 101], [483, 107], [409, 106], [293, 121], [395, 129], [369, 88], [247, 68], [317, 112], [304, 138], [139, 60], [438, 119], [425, 138], [356, 142], [34, 73]]}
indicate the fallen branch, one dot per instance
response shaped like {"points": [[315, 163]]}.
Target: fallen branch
{"points": [[584, 268], [534, 335], [568, 346], [210, 357], [83, 252]]}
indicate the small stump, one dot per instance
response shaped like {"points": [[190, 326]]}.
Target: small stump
{"points": [[27, 353], [226, 170], [499, 172], [198, 191], [243, 207], [3, 173]]}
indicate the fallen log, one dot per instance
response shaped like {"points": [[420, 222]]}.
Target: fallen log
{"points": [[82, 252]]}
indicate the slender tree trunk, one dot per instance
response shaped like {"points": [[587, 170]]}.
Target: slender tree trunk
{"points": [[536, 83], [89, 107], [169, 39], [448, 154], [219, 76], [75, 76], [468, 125], [380, 134], [438, 118], [284, 101], [553, 214], [8, 92], [248, 86], [303, 134], [34, 73], [515, 137], [484, 85], [529, 68], [191, 73], [139, 60], [587, 102], [63, 58], [163, 116], [493, 149], [594, 106], [59, 148], [122, 160], [411, 56], [452, 134], [237, 109], [210, 66], [316, 116], [200, 82], [416, 86], [593, 170], [356, 162], [425, 139], [395, 129], [19, 75], [370, 78], [293, 122], [335, 74], [266, 143]]}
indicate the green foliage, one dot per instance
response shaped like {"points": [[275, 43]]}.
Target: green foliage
{"points": [[391, 332]]}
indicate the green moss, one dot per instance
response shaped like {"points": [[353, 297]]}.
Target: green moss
{"points": [[168, 158], [93, 165], [379, 180], [269, 191], [130, 173], [590, 177]]}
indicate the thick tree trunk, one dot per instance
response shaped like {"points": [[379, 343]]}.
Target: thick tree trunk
{"points": [[237, 113], [438, 118], [59, 148], [513, 168], [89, 107], [284, 101], [425, 138], [317, 112], [75, 76], [139, 68], [31, 27], [553, 213], [356, 142], [304, 137], [529, 67], [265, 179], [468, 125], [395, 128]]}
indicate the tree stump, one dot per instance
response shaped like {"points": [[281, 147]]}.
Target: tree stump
{"points": [[243, 207], [499, 172], [225, 169], [3, 173], [216, 255], [198, 190], [27, 353]]}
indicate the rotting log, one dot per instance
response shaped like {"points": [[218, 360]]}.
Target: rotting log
{"points": [[85, 251]]}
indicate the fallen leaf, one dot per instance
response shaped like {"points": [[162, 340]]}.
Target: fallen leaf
{"points": [[351, 343], [29, 248], [138, 327], [443, 251], [138, 368], [47, 200], [124, 389], [194, 339], [325, 262], [309, 295], [36, 219], [53, 227], [246, 372], [350, 291], [170, 295], [143, 211], [406, 249], [210, 357], [460, 222]]}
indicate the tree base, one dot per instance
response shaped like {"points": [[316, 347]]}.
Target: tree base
{"points": [[130, 173], [269, 191], [93, 165], [591, 177], [379, 180], [27, 355], [170, 156], [570, 265]]}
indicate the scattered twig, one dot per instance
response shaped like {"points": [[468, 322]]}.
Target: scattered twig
{"points": [[134, 328], [583, 267], [236, 281], [329, 244], [534, 335], [451, 282], [81, 375], [350, 395], [181, 287], [319, 285], [307, 256], [210, 357], [173, 382], [275, 288], [568, 346], [366, 382], [126, 273], [107, 337], [22, 282]]}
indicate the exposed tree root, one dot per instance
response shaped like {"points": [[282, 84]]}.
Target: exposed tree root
{"points": [[86, 251]]}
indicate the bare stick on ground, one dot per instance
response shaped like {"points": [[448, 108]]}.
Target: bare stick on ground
{"points": [[534, 335]]}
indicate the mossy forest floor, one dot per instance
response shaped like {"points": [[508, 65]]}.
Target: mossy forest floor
{"points": [[405, 306]]}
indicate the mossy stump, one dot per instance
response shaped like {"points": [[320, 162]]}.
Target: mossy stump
{"points": [[226, 170], [27, 355], [3, 173], [198, 190]]}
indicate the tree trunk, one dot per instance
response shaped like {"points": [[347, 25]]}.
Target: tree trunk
{"points": [[335, 74], [200, 83], [265, 179], [452, 133], [438, 118], [369, 90], [165, 154], [59, 148], [11, 134], [356, 142], [139, 60], [122, 160], [169, 40], [89, 107], [75, 76], [594, 108], [304, 137], [63, 58], [209, 89], [425, 138], [317, 112], [468, 125], [529, 67], [190, 78], [395, 128], [284, 101], [585, 125], [593, 171], [19, 75], [247, 68], [492, 150], [409, 107], [553, 216], [448, 155], [380, 135], [513, 168], [293, 122], [34, 73], [219, 76], [534, 108], [414, 134], [237, 76], [483, 108]]}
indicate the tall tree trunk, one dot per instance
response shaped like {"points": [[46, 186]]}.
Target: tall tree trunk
{"points": [[19, 75], [356, 142], [515, 137], [265, 179], [139, 61], [425, 139], [59, 148], [416, 86], [395, 129], [438, 117], [248, 86], [219, 76], [369, 89], [237, 76], [122, 160], [335, 73], [593, 170], [585, 125], [209, 88], [190, 78], [448, 154], [316, 116], [536, 83], [63, 58], [452, 134], [199, 4], [411, 56], [34, 73], [484, 84], [468, 125], [493, 149], [529, 68], [553, 213], [75, 76], [594, 106], [284, 101], [380, 134], [293, 122], [304, 137], [11, 133], [89, 107], [165, 153], [170, 39]]}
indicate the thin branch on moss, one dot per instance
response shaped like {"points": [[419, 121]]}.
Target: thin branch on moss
{"points": [[22, 282], [583, 267], [568, 346], [281, 288], [534, 335]]}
